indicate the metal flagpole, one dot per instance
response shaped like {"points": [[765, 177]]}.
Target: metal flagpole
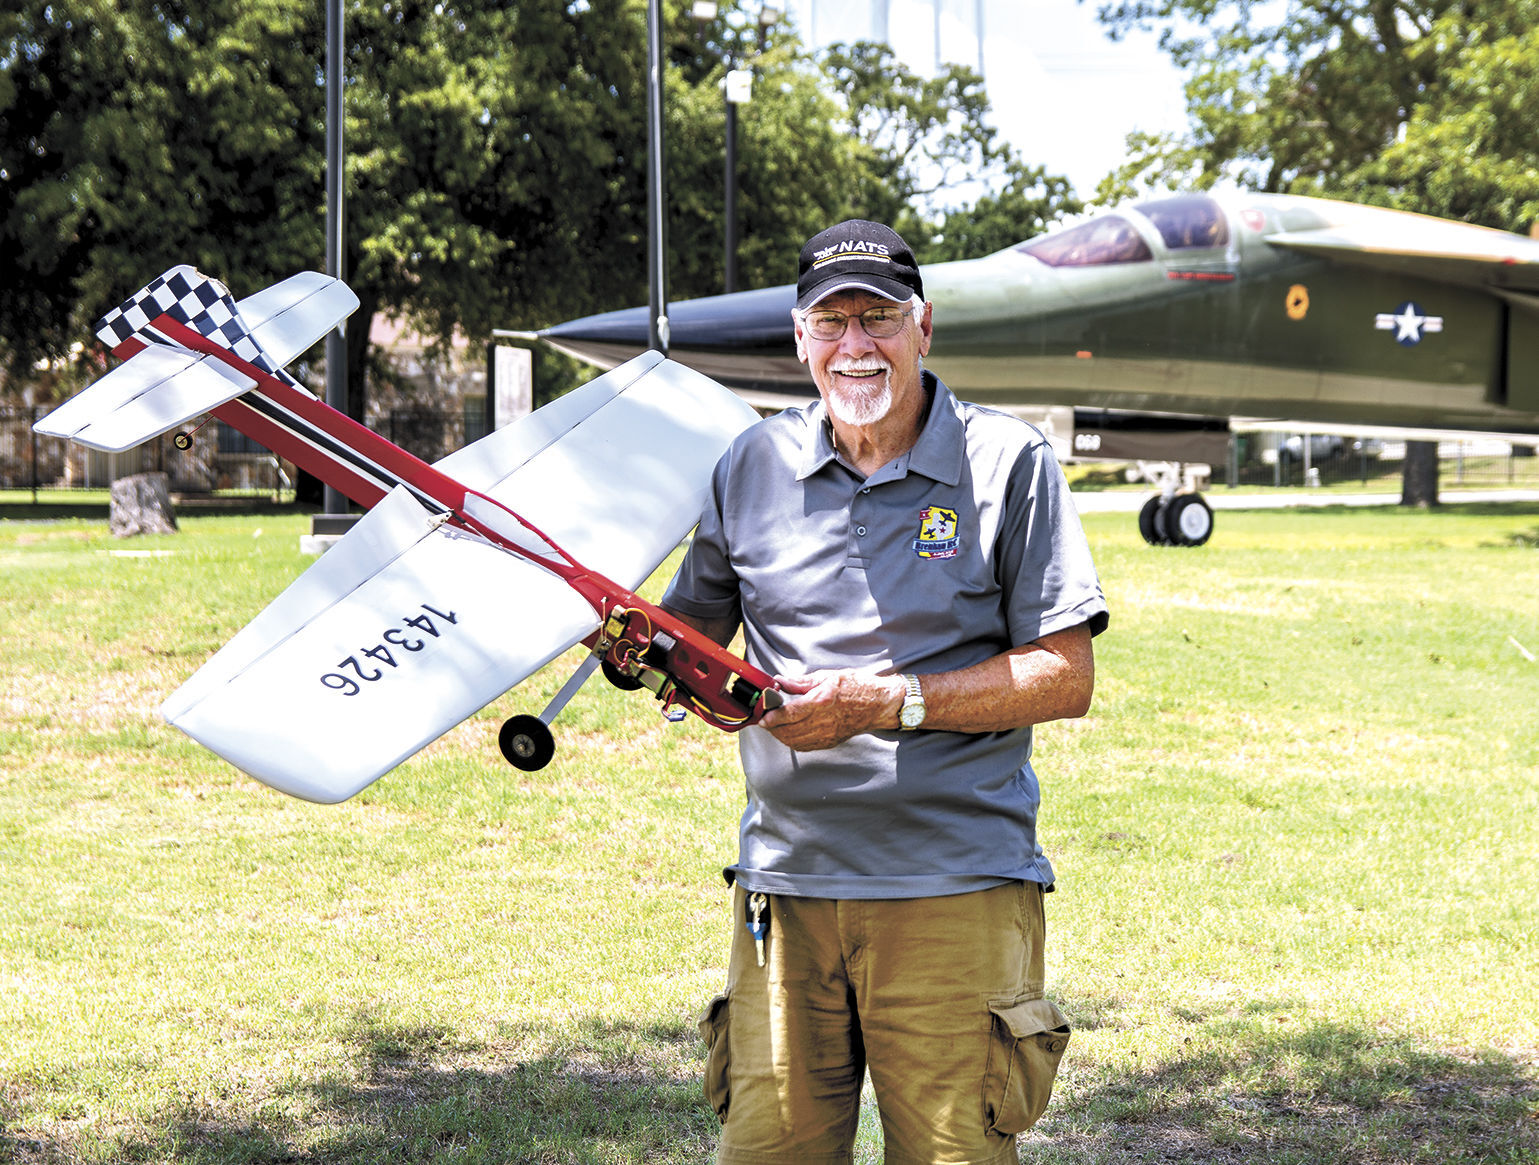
{"points": [[336, 339], [657, 233]]}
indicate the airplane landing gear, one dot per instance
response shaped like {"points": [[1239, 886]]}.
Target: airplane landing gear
{"points": [[526, 742], [1177, 520]]}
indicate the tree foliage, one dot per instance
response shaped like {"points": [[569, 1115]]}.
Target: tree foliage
{"points": [[1030, 201], [1470, 150], [495, 157], [920, 136], [1428, 105], [109, 171]]}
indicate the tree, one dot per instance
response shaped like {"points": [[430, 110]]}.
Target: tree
{"points": [[853, 133], [1026, 206], [798, 168], [1467, 151], [106, 158], [1293, 97], [1418, 480], [496, 157], [922, 137], [1429, 105]]}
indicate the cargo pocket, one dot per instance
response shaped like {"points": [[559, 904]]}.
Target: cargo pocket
{"points": [[718, 1059], [1028, 1040]]}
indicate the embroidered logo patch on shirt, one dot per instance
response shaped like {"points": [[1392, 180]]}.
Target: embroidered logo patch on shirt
{"points": [[937, 533]]}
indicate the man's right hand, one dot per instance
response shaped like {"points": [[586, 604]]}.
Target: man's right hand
{"points": [[827, 708]]}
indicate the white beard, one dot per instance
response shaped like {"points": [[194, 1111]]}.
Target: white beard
{"points": [[865, 403]]}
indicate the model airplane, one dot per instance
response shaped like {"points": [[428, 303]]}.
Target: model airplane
{"points": [[1253, 305], [464, 578]]}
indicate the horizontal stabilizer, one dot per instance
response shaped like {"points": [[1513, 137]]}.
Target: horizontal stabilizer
{"points": [[399, 632], [163, 385], [155, 391], [287, 318]]}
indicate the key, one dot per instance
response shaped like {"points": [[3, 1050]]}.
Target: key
{"points": [[758, 922]]}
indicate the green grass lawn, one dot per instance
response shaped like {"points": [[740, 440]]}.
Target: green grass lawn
{"points": [[1297, 842]]}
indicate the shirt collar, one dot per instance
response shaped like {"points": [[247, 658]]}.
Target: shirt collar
{"points": [[937, 454]]}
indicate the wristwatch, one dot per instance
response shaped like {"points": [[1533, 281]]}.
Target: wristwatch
{"points": [[911, 715]]}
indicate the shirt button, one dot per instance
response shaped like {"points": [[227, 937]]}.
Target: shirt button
{"points": [[866, 490], [860, 530]]}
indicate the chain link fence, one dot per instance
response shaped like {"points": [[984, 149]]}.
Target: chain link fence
{"points": [[224, 462], [221, 461], [1327, 459]]}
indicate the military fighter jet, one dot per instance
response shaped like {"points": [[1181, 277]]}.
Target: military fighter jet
{"points": [[1192, 306]]}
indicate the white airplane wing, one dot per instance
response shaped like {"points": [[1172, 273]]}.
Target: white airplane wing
{"points": [[396, 634], [406, 627], [615, 471], [157, 390], [165, 385]]}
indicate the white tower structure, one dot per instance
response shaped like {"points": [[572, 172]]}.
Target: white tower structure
{"points": [[1062, 93], [924, 34]]}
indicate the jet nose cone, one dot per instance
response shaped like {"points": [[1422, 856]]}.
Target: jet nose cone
{"points": [[744, 339], [607, 339], [627, 326]]}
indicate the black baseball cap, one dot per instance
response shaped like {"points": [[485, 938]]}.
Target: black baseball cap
{"points": [[857, 255]]}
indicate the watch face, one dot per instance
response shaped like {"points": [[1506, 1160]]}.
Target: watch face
{"points": [[912, 715]]}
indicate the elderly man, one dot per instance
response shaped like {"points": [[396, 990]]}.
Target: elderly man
{"points": [[913, 570]]}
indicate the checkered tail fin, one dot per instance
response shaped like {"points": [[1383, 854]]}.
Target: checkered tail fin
{"points": [[190, 298]]}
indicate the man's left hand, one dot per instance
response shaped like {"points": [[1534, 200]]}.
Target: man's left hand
{"points": [[827, 708]]}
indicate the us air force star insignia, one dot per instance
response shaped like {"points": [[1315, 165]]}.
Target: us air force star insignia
{"points": [[937, 533], [1408, 322]]}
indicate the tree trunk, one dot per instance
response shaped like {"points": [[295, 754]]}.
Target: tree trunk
{"points": [[141, 504], [1419, 478], [358, 327]]}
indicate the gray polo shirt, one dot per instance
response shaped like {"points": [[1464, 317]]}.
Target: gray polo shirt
{"points": [[966, 546]]}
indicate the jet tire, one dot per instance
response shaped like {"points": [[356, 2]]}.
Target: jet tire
{"points": [[526, 742], [1150, 523], [1188, 520]]}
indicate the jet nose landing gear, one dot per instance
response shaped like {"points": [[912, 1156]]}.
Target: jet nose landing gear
{"points": [[1177, 520]]}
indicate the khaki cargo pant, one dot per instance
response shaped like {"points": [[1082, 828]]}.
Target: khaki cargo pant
{"points": [[940, 997]]}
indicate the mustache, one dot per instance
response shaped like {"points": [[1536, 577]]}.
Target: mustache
{"points": [[860, 364]]}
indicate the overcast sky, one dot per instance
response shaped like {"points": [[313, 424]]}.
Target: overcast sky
{"points": [[1063, 93]]}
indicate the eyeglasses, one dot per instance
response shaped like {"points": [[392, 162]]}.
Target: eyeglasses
{"points": [[880, 323]]}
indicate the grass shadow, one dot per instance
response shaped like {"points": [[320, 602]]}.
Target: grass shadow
{"points": [[1256, 1086], [53, 511], [596, 1094], [60, 509], [1250, 1085]]}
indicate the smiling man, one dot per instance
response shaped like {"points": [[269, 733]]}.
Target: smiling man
{"points": [[913, 570]]}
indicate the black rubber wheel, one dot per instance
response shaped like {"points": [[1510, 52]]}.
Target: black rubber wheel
{"points": [[1149, 524], [1188, 520], [618, 678], [526, 742], [182, 441]]}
